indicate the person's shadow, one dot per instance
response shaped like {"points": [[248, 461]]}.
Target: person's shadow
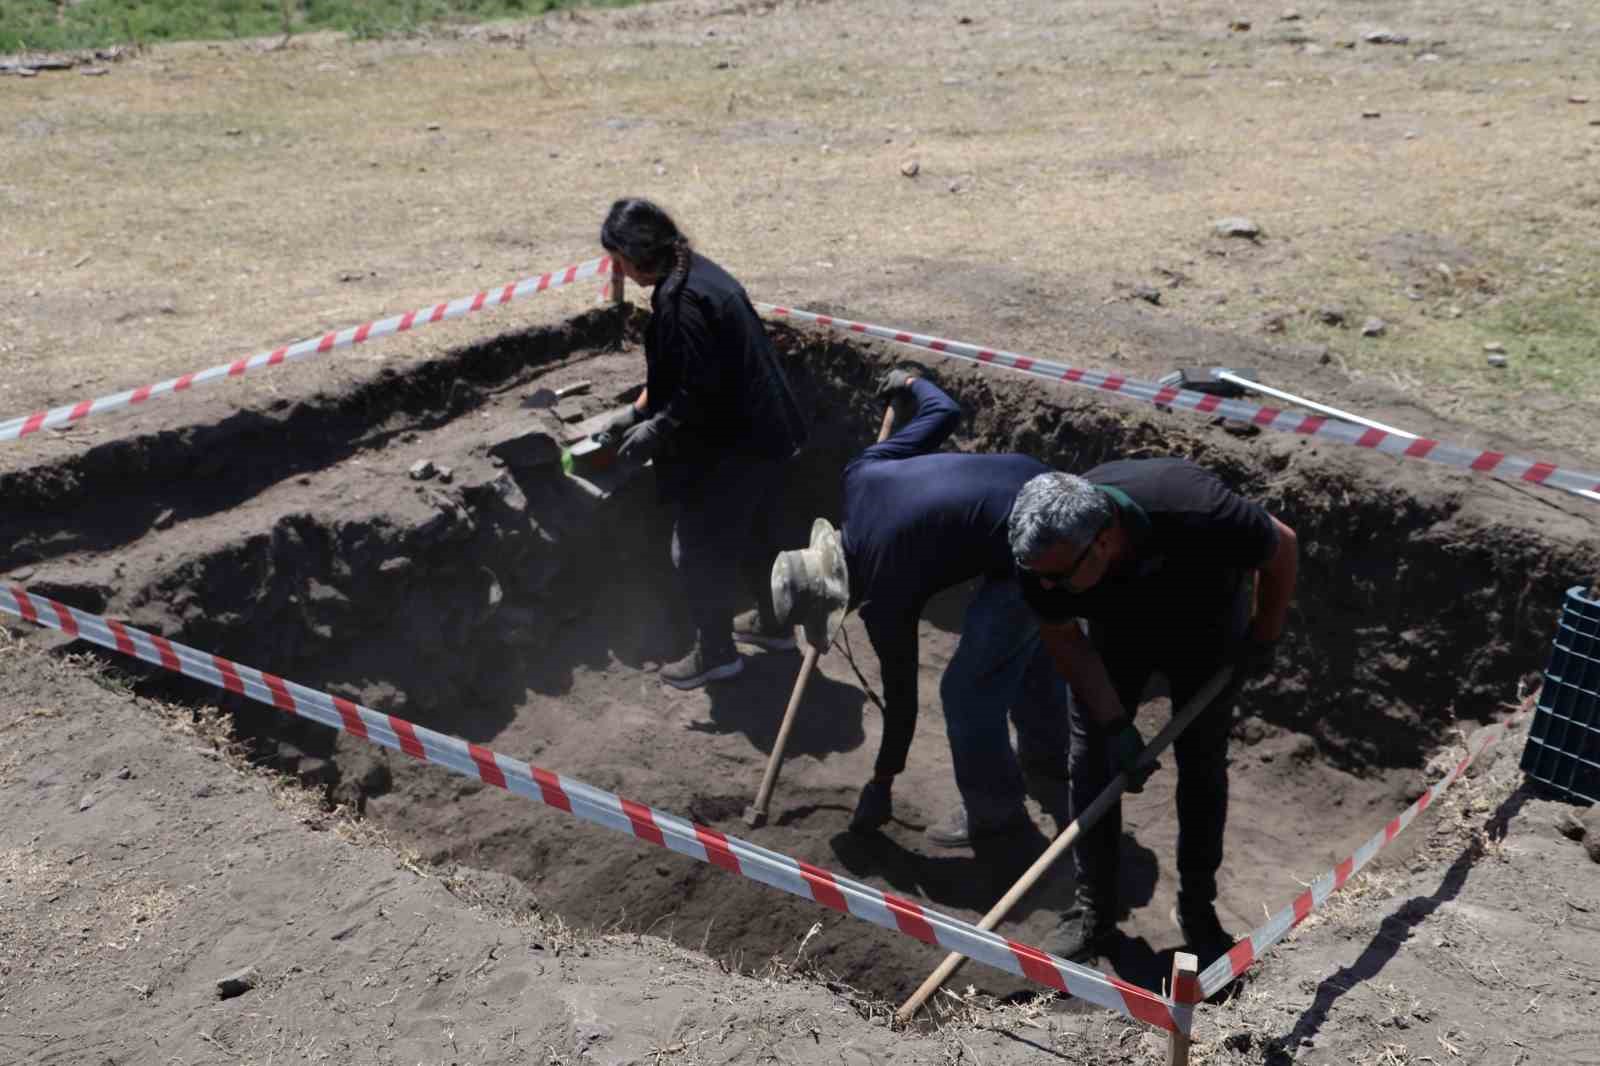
{"points": [[828, 720], [975, 881], [1394, 932]]}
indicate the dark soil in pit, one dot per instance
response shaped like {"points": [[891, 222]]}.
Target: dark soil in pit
{"points": [[511, 608]]}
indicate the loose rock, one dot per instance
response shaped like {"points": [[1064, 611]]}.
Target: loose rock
{"points": [[1331, 316], [1495, 346], [1569, 825], [910, 168], [1374, 327], [164, 520], [1496, 359], [422, 470], [1385, 37], [527, 450], [1236, 227]]}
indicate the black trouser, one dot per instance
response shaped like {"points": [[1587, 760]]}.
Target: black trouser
{"points": [[1201, 752], [722, 540]]}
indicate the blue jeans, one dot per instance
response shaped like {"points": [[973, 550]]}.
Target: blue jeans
{"points": [[1001, 665]]}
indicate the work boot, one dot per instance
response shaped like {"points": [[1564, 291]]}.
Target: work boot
{"points": [[1202, 931], [751, 628], [958, 830], [873, 809], [699, 667], [1087, 931]]}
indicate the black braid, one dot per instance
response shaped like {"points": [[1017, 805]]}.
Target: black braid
{"points": [[649, 239], [680, 267]]}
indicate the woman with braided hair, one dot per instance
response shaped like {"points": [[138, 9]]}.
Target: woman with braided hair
{"points": [[720, 421]]}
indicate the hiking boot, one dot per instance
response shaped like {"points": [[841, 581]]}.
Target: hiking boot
{"points": [[751, 628], [1202, 932], [958, 831], [698, 667], [1086, 932], [873, 809]]}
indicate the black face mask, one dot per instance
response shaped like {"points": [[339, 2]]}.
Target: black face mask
{"points": [[1052, 605]]}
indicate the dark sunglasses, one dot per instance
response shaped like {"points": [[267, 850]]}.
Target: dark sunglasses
{"points": [[1064, 577]]}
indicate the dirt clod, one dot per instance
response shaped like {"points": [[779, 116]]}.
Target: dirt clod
{"points": [[238, 983], [1236, 227]]}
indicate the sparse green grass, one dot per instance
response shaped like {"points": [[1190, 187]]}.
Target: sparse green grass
{"points": [[57, 25]]}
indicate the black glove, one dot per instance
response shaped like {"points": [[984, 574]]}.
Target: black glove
{"points": [[894, 382], [640, 444], [610, 434], [1125, 743], [1253, 657]]}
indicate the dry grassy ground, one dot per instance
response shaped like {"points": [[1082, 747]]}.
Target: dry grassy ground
{"points": [[206, 201]]}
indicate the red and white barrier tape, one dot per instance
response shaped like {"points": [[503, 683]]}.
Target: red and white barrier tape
{"points": [[1323, 428], [1251, 947], [611, 811], [17, 428]]}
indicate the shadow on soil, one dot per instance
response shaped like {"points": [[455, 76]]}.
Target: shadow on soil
{"points": [[1393, 933]]}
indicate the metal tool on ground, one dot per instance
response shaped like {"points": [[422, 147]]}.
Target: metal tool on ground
{"points": [[544, 396], [1233, 384], [1096, 810], [810, 587]]}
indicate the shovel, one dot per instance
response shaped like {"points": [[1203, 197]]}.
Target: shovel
{"points": [[756, 814], [1232, 384], [1180, 721]]}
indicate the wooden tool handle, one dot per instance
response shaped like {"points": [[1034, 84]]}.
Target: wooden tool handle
{"points": [[1080, 825], [775, 760]]}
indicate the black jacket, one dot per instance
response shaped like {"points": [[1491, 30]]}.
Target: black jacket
{"points": [[712, 371]]}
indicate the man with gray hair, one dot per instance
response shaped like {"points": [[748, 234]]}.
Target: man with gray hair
{"points": [[1160, 558]]}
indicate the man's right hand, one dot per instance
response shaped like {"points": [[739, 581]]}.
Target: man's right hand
{"points": [[893, 383], [610, 434], [1126, 744]]}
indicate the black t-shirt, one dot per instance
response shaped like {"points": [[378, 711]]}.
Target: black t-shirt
{"points": [[1193, 538]]}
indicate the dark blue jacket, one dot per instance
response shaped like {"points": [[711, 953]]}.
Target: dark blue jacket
{"points": [[917, 522]]}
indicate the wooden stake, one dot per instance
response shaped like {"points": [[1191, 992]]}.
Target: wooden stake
{"points": [[1058, 847], [756, 813], [1185, 992]]}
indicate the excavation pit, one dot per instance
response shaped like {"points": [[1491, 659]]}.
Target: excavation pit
{"points": [[506, 605]]}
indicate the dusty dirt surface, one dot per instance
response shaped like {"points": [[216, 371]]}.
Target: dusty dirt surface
{"points": [[204, 202], [505, 605]]}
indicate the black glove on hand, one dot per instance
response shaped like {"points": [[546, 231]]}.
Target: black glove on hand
{"points": [[1253, 658], [610, 434], [894, 382], [640, 444], [1125, 744]]}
